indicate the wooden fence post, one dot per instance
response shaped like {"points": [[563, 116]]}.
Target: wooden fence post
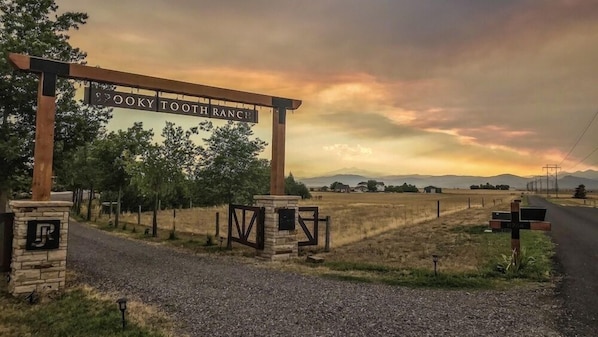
{"points": [[482, 202], [229, 242], [438, 209], [327, 239], [139, 215], [468, 203], [217, 224]]}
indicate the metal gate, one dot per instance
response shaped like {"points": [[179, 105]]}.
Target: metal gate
{"points": [[6, 235], [312, 236], [244, 219]]}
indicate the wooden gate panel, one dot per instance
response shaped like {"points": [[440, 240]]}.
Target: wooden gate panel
{"points": [[312, 236], [244, 228]]}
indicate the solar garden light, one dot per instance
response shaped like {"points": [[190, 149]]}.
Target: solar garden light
{"points": [[122, 306], [435, 259]]}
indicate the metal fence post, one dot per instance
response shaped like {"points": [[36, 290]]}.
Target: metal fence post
{"points": [[438, 209]]}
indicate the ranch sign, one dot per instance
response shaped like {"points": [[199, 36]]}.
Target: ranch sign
{"points": [[156, 103]]}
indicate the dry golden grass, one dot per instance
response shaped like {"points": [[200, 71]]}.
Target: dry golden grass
{"points": [[355, 216], [566, 199], [413, 245]]}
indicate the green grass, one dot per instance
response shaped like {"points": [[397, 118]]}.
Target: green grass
{"points": [[536, 248], [69, 314]]}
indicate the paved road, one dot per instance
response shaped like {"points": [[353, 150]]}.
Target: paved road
{"points": [[575, 232], [215, 296]]}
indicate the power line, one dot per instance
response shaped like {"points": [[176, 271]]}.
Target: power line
{"points": [[579, 138], [581, 161]]}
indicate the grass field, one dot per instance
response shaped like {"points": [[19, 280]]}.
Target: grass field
{"points": [[355, 216], [566, 199]]}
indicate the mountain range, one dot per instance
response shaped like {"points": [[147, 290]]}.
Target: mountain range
{"points": [[566, 180]]}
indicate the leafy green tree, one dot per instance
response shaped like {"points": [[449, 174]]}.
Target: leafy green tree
{"points": [[33, 27], [229, 170], [113, 154], [163, 167], [292, 187]]}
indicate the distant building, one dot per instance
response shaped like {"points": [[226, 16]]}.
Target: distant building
{"points": [[360, 188], [432, 189], [342, 188]]}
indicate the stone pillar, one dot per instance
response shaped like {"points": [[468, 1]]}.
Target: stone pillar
{"points": [[278, 244], [39, 246]]}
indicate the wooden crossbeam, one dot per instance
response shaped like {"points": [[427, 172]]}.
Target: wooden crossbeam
{"points": [[94, 74], [533, 225]]}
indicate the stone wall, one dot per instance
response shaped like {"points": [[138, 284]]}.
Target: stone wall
{"points": [[41, 270], [278, 244]]}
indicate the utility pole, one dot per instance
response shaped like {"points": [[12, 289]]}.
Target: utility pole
{"points": [[548, 169]]}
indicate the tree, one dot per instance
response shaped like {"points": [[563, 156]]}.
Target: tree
{"points": [[372, 186], [33, 27], [335, 184], [292, 187], [580, 192], [113, 154], [163, 167], [229, 170]]}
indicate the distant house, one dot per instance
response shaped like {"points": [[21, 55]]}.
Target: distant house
{"points": [[361, 188], [342, 188], [432, 189], [380, 186]]}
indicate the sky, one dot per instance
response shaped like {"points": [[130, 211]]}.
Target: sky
{"points": [[389, 87]]}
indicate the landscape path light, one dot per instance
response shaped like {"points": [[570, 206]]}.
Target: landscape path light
{"points": [[122, 306]]}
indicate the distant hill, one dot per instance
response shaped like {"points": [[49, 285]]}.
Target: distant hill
{"points": [[571, 182], [589, 174], [447, 181]]}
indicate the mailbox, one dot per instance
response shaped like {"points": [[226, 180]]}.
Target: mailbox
{"points": [[533, 214], [501, 215], [286, 219]]}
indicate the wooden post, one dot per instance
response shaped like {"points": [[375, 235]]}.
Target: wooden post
{"points": [[229, 242], [139, 215], [438, 209], [44, 139], [278, 151], [468, 203], [217, 224], [327, 239], [482, 202], [515, 238]]}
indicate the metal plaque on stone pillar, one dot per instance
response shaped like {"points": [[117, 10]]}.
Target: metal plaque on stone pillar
{"points": [[43, 234]]}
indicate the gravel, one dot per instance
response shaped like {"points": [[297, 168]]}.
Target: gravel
{"points": [[216, 296]]}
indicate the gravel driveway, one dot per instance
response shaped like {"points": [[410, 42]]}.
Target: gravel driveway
{"points": [[215, 296]]}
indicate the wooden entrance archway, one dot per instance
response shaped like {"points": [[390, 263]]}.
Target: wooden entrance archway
{"points": [[49, 70]]}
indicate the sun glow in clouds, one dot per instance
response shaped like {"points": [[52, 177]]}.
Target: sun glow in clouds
{"points": [[349, 153]]}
